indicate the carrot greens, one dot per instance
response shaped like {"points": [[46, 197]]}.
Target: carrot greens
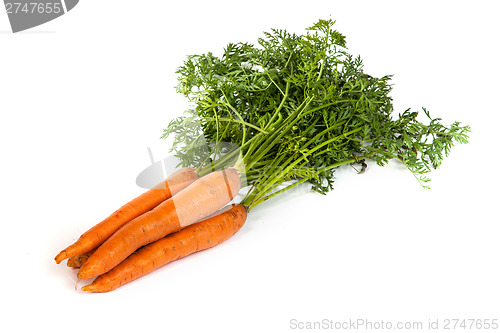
{"points": [[298, 107]]}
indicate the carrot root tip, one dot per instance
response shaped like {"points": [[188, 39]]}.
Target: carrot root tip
{"points": [[89, 287], [60, 257]]}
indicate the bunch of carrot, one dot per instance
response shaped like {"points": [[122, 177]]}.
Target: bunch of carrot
{"points": [[294, 110], [180, 216]]}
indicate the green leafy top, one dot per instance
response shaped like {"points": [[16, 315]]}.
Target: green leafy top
{"points": [[299, 106]]}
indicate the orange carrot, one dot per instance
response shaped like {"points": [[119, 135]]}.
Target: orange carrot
{"points": [[197, 201], [79, 260], [138, 206], [197, 237]]}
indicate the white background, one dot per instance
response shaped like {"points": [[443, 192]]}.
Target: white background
{"points": [[84, 96]]}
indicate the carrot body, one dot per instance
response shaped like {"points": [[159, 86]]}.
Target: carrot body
{"points": [[197, 201], [138, 206], [197, 237]]}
